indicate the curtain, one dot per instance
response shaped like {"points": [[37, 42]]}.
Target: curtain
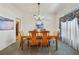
{"points": [[70, 33], [73, 32], [63, 31]]}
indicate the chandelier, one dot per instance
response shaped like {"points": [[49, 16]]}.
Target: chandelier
{"points": [[38, 16], [39, 24]]}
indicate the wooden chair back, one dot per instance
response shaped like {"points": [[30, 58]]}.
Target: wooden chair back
{"points": [[45, 35], [33, 37]]}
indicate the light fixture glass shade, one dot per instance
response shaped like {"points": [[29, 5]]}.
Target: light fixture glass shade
{"points": [[38, 17]]}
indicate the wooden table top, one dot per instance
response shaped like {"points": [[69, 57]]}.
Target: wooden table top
{"points": [[38, 37]]}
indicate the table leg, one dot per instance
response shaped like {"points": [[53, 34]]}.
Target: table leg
{"points": [[21, 43], [56, 43]]}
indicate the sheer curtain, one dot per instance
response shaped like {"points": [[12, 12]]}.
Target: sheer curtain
{"points": [[73, 33], [70, 33], [63, 31]]}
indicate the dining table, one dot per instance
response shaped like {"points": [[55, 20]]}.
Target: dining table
{"points": [[24, 38]]}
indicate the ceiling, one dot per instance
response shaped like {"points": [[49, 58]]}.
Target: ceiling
{"points": [[26, 9]]}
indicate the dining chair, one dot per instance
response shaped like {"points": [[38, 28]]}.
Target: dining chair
{"points": [[33, 41], [56, 37], [45, 38]]}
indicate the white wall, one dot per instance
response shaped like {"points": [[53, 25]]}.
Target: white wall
{"points": [[7, 37], [27, 20], [28, 23]]}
